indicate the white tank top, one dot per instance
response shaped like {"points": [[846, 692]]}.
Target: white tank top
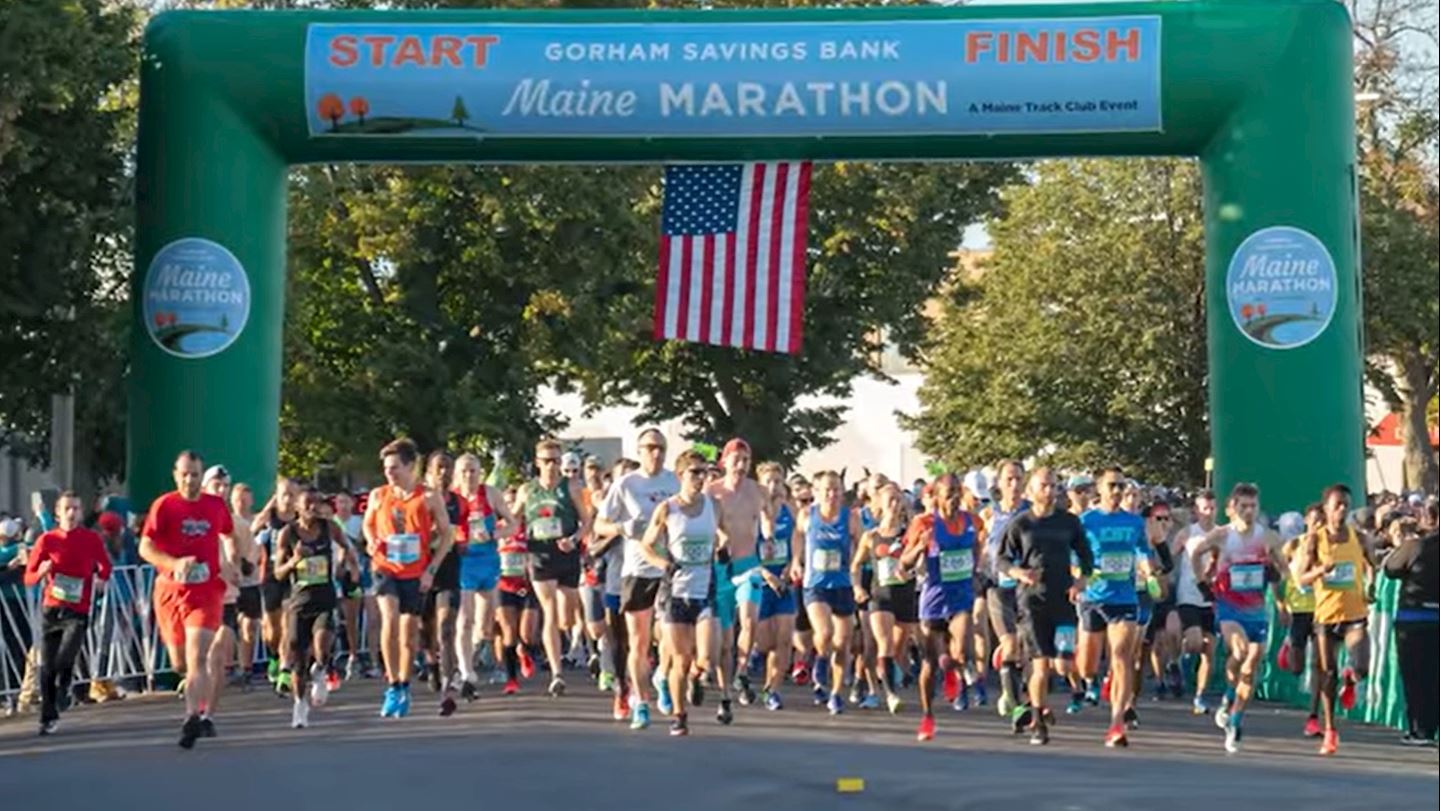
{"points": [[1186, 592], [691, 544]]}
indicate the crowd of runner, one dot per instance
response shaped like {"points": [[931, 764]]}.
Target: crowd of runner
{"points": [[671, 580]]}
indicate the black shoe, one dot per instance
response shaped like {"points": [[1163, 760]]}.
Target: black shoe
{"points": [[724, 715], [697, 692], [190, 732], [207, 728], [434, 678], [468, 691], [64, 701], [1132, 718], [1039, 735], [447, 706], [1410, 739], [679, 726], [48, 727], [1021, 719]]}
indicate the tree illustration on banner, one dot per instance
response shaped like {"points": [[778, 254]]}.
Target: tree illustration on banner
{"points": [[359, 108], [459, 113], [332, 109]]}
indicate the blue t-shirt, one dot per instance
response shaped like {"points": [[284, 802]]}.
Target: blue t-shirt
{"points": [[1117, 542]]}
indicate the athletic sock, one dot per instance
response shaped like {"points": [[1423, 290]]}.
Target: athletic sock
{"points": [[1010, 679], [512, 664], [887, 671]]}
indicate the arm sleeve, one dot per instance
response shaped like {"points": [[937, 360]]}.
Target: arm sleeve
{"points": [[1397, 563]]}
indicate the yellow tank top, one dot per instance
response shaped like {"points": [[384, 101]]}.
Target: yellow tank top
{"points": [[1340, 593]]}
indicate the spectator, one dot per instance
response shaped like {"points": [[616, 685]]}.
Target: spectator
{"points": [[1416, 564], [14, 617]]}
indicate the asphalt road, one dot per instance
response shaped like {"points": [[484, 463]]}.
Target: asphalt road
{"points": [[546, 753]]}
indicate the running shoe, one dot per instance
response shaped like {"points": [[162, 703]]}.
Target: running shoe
{"points": [[724, 715], [1232, 737], [447, 705], [620, 708], [389, 706], [1331, 744], [894, 703], [1312, 727], [49, 727], [593, 665], [1222, 715], [856, 695], [434, 677], [319, 688], [836, 705], [1021, 719], [870, 702], [332, 679], [300, 715], [773, 702], [1115, 738], [1105, 689], [272, 670], [697, 691], [1075, 705], [640, 716], [679, 728], [1092, 694], [663, 701], [468, 690], [1199, 707], [744, 691], [1411, 738], [352, 669], [511, 687], [1004, 706], [606, 682], [952, 685], [1347, 689], [1132, 718], [926, 732], [1159, 691], [799, 674], [402, 707], [819, 695], [190, 732], [557, 687], [207, 727], [962, 701], [527, 665], [1039, 735], [1282, 659], [982, 694], [284, 683], [1177, 680]]}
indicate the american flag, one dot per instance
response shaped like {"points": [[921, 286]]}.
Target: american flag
{"points": [[732, 255]]}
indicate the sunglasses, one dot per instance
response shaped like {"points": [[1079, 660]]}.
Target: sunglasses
{"points": [[547, 460], [1115, 485], [697, 472], [1164, 519], [650, 446]]}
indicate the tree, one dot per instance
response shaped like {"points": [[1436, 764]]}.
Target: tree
{"points": [[459, 113], [359, 108], [1083, 341], [1395, 82], [68, 106], [331, 108]]}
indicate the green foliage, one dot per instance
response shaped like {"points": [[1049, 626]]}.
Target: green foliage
{"points": [[1086, 330]]}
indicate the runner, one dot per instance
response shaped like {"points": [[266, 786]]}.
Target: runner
{"points": [[689, 528], [240, 553], [600, 662], [488, 521], [976, 497], [1110, 607], [277, 512], [1036, 550], [1300, 601], [248, 603], [609, 548], [402, 517], [442, 601], [1079, 494], [945, 541], [517, 603], [1336, 561], [309, 553], [745, 522], [357, 592], [776, 618], [825, 538], [1193, 601], [802, 641], [557, 519], [73, 566], [895, 606], [999, 587], [181, 539], [629, 507], [1161, 639], [866, 687]]}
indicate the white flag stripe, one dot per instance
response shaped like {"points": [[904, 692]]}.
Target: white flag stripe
{"points": [[739, 295], [697, 286], [762, 257], [672, 291], [717, 289], [787, 264]]}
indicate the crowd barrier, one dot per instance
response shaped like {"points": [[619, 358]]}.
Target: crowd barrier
{"points": [[123, 646]]}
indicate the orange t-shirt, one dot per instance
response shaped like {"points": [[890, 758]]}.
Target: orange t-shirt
{"points": [[403, 525]]}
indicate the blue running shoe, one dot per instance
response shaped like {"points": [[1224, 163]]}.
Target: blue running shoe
{"points": [[870, 702], [640, 715], [664, 703], [836, 704], [389, 706], [819, 695], [1092, 694], [962, 699], [1075, 705], [772, 702], [981, 697], [402, 708]]}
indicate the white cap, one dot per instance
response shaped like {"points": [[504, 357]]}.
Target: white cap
{"points": [[570, 461], [1290, 525], [215, 472], [9, 528], [975, 482]]}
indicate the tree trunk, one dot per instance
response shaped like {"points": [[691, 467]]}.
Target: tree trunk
{"points": [[1416, 375]]}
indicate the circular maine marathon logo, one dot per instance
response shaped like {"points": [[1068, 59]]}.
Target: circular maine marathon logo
{"points": [[197, 298], [1281, 287]]}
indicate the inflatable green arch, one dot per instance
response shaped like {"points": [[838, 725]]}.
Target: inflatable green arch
{"points": [[1259, 91]]}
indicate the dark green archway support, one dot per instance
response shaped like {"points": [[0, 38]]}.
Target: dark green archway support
{"points": [[1259, 91]]}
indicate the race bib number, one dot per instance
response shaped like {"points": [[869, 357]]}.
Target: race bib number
{"points": [[512, 564], [888, 570], [1342, 576], [67, 589], [957, 565], [546, 529], [1065, 639], [825, 560], [1117, 565], [199, 573], [779, 553], [402, 549], [479, 531], [1247, 577], [695, 552], [313, 571]]}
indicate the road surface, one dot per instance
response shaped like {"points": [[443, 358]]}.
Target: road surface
{"points": [[533, 752]]}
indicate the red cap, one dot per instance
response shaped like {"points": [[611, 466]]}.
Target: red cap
{"points": [[111, 522], [735, 446]]}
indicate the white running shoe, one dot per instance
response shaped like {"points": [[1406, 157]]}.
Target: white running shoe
{"points": [[300, 716], [319, 690]]}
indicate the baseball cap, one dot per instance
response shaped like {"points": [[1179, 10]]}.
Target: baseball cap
{"points": [[1078, 481], [215, 472], [111, 522], [570, 461], [735, 445], [975, 482], [592, 462], [9, 528], [1290, 525]]}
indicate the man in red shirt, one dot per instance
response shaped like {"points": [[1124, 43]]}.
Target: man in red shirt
{"points": [[181, 539], [65, 560]]}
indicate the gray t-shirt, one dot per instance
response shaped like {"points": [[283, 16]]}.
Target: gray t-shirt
{"points": [[631, 502]]}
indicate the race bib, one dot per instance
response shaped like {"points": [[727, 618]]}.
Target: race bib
{"points": [[1065, 639], [67, 589], [888, 570], [199, 573], [956, 565], [402, 549], [512, 564], [1117, 565], [1247, 577], [313, 571], [695, 552], [1342, 576], [825, 560], [779, 553], [479, 530], [546, 529]]}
